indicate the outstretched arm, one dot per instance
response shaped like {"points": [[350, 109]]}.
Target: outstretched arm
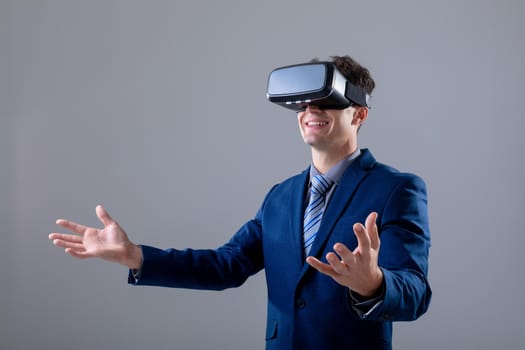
{"points": [[110, 243]]}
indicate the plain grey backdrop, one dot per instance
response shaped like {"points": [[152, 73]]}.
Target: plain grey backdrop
{"points": [[156, 109]]}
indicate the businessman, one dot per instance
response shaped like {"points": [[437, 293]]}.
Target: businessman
{"points": [[344, 244]]}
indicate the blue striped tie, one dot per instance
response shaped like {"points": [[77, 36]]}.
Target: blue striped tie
{"points": [[314, 210]]}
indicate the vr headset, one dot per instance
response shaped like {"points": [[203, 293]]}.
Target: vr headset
{"points": [[319, 84]]}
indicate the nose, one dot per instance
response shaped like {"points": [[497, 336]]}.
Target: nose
{"points": [[312, 108]]}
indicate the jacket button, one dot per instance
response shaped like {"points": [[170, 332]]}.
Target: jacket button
{"points": [[300, 303]]}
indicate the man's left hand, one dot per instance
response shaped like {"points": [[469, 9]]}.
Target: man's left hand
{"points": [[357, 269]]}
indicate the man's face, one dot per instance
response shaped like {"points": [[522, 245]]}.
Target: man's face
{"points": [[331, 130]]}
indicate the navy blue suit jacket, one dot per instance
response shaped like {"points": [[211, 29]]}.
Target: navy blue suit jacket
{"points": [[306, 309]]}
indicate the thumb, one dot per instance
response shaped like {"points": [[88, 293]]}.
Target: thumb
{"points": [[103, 215]]}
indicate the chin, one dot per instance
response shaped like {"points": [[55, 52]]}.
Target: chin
{"points": [[315, 144]]}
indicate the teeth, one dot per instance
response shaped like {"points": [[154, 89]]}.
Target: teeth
{"points": [[316, 123]]}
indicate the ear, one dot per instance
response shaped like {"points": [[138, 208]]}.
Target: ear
{"points": [[360, 115]]}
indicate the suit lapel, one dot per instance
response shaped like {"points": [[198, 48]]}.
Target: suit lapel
{"points": [[341, 198], [296, 216]]}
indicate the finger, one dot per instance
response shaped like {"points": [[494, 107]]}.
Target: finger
{"points": [[80, 254], [337, 265], [373, 232], [67, 244], [65, 237], [320, 266], [344, 253], [103, 216], [363, 239], [72, 226]]}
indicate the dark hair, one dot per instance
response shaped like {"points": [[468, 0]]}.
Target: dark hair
{"points": [[354, 72]]}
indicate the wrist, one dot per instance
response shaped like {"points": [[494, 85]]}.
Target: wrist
{"points": [[133, 257], [375, 288]]}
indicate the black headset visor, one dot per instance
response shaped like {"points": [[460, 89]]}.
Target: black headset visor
{"points": [[320, 84]]}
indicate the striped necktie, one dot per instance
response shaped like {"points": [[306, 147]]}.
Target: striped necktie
{"points": [[314, 211]]}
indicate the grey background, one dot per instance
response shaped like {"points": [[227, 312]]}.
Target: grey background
{"points": [[157, 108]]}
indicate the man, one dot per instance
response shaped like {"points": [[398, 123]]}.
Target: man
{"points": [[333, 282]]}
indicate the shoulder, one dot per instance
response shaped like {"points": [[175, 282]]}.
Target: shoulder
{"points": [[385, 174], [292, 182], [389, 172], [288, 185], [282, 195]]}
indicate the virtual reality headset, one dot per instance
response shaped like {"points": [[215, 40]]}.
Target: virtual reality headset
{"points": [[319, 84]]}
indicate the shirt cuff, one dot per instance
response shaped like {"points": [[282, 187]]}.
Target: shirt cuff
{"points": [[365, 306], [136, 273]]}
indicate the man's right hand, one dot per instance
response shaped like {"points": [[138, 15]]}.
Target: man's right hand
{"points": [[110, 243]]}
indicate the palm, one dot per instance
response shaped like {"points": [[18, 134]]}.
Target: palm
{"points": [[104, 243], [109, 243]]}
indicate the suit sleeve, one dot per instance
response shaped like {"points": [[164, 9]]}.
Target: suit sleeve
{"points": [[211, 269], [403, 255]]}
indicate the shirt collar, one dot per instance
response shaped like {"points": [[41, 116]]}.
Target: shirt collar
{"points": [[335, 172]]}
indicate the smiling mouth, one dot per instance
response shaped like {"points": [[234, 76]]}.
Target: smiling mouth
{"points": [[316, 123]]}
